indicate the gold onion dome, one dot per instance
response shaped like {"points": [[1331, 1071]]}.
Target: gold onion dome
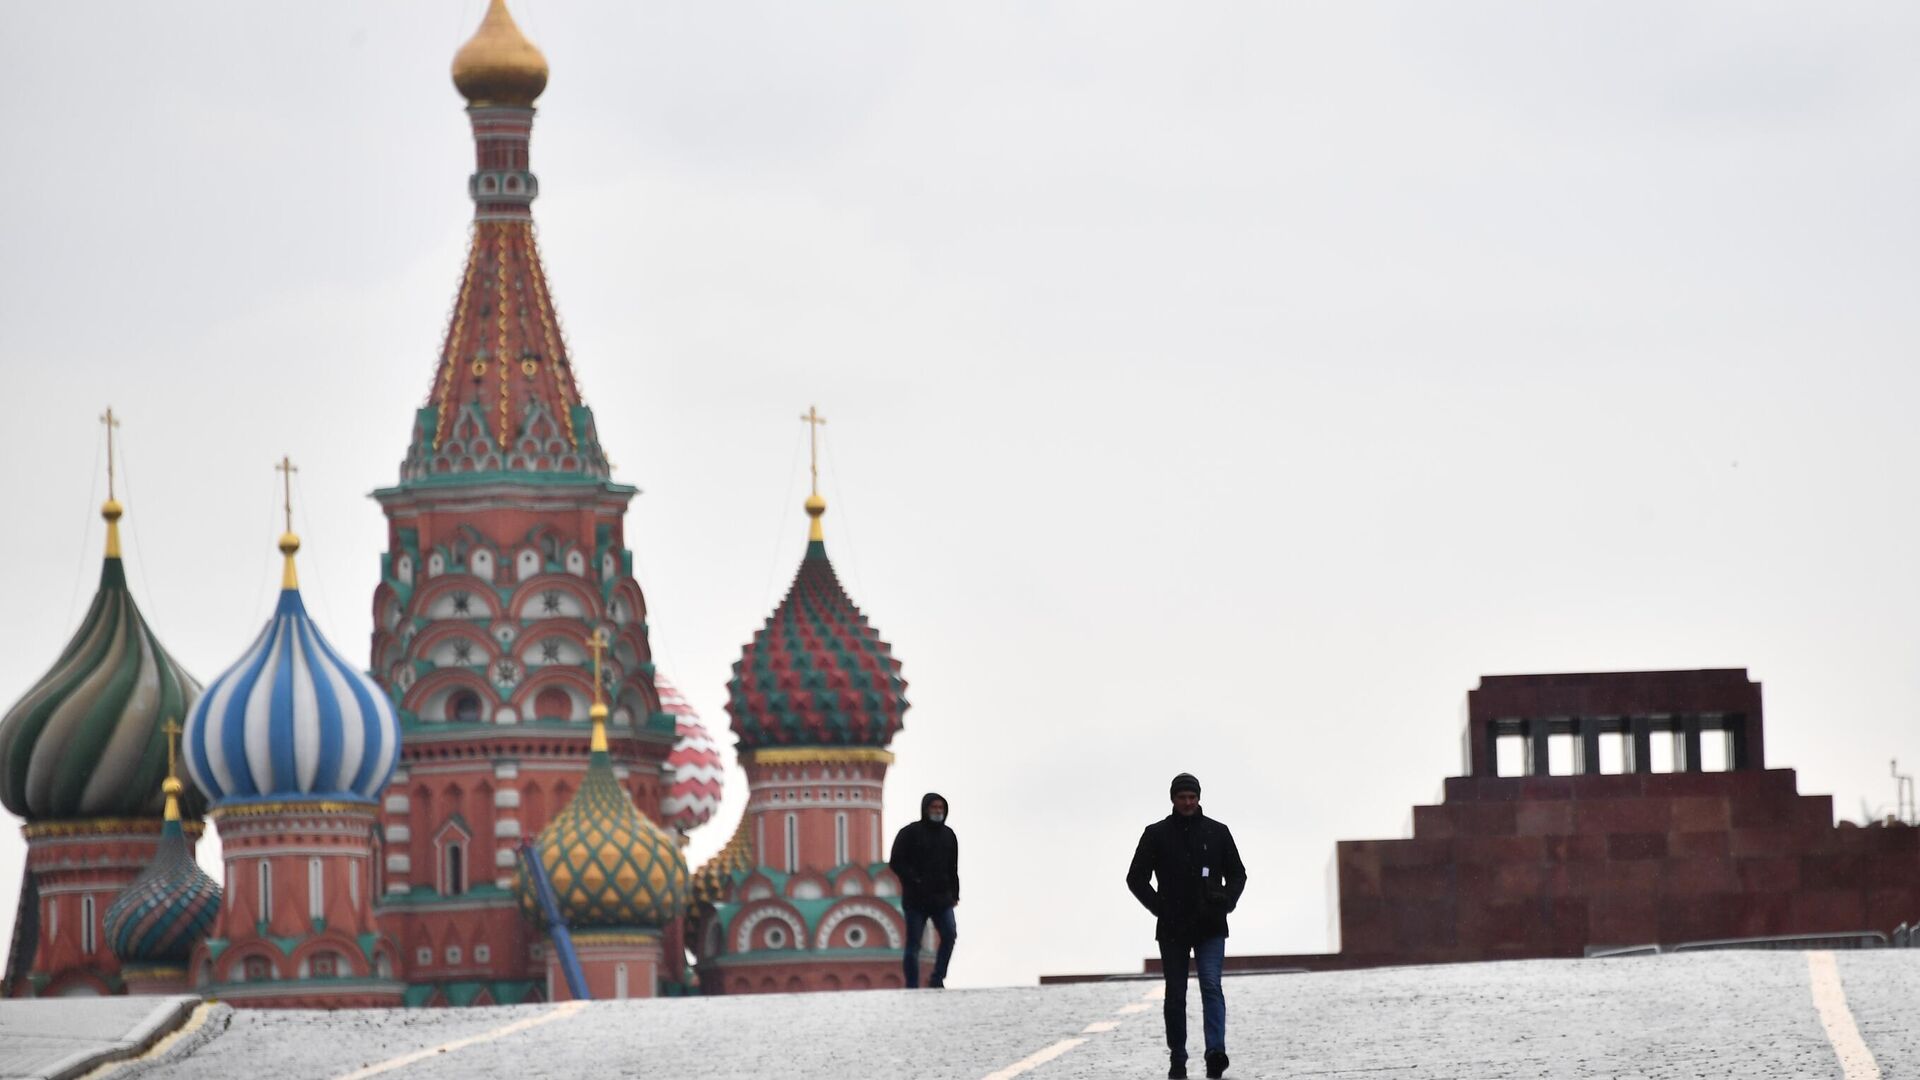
{"points": [[610, 866], [498, 65]]}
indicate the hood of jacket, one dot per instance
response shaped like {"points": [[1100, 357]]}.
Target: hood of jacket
{"points": [[926, 801]]}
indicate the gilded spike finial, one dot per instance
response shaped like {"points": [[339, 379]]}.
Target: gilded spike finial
{"points": [[172, 785], [599, 711], [111, 509], [289, 542], [816, 506]]}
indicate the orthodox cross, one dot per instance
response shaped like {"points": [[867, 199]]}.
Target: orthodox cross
{"points": [[286, 469], [111, 422], [173, 744], [598, 642], [813, 420]]}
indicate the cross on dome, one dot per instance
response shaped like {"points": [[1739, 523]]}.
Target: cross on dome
{"points": [[816, 506], [289, 542], [111, 509]]}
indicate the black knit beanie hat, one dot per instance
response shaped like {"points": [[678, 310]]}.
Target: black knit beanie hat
{"points": [[1186, 781]]}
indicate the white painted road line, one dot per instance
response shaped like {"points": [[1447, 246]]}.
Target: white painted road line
{"points": [[1099, 1027], [560, 1012], [1136, 1007], [1856, 1061], [1034, 1061]]}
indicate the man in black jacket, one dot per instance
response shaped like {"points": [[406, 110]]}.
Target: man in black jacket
{"points": [[1198, 869], [926, 859]]}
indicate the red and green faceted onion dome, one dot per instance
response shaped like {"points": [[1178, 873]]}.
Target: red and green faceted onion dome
{"points": [[609, 865], [699, 772], [170, 907], [86, 741], [816, 674]]}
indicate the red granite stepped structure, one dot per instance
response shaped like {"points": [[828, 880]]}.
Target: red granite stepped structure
{"points": [[1539, 864], [82, 757], [801, 897]]}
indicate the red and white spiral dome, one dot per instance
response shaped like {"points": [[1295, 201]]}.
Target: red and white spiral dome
{"points": [[698, 770]]}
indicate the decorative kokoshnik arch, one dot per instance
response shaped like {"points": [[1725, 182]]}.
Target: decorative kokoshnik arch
{"points": [[885, 916], [751, 919]]}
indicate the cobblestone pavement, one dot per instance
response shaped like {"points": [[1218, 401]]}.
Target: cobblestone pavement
{"points": [[1731, 1014]]}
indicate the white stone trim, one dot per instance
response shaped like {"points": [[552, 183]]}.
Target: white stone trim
{"points": [[743, 934], [883, 916]]}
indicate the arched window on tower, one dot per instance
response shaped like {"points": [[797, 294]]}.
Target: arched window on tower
{"points": [[456, 869], [316, 889], [265, 883], [840, 839], [464, 708], [86, 924], [553, 703], [793, 843]]}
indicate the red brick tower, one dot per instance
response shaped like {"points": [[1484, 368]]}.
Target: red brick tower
{"points": [[801, 897], [82, 756], [506, 553]]}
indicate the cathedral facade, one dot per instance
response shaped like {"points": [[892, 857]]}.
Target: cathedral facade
{"points": [[495, 809]]}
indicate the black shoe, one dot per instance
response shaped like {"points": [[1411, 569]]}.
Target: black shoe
{"points": [[1216, 1065], [937, 984], [1177, 1070]]}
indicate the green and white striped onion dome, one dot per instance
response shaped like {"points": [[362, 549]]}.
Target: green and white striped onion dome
{"points": [[86, 740]]}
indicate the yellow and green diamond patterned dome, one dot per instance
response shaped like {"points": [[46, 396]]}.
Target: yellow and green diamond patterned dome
{"points": [[610, 866]]}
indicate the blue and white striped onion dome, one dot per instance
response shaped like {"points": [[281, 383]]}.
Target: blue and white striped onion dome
{"points": [[292, 720]]}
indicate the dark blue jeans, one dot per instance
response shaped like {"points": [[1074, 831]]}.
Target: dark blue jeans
{"points": [[1209, 956], [916, 927]]}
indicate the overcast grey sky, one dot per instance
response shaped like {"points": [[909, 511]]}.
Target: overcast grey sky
{"points": [[1219, 387]]}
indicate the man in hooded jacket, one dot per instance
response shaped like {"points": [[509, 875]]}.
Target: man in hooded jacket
{"points": [[926, 859], [1197, 866]]}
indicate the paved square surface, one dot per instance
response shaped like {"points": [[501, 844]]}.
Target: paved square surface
{"points": [[1730, 1014]]}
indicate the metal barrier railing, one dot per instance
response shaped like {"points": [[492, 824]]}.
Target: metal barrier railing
{"points": [[1902, 937]]}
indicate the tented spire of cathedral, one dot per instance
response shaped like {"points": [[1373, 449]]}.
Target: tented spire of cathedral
{"points": [[506, 567], [504, 397]]}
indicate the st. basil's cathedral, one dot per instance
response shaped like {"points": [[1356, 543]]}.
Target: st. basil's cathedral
{"points": [[495, 810]]}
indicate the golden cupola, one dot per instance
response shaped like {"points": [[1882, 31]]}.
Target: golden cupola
{"points": [[611, 867], [498, 65]]}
